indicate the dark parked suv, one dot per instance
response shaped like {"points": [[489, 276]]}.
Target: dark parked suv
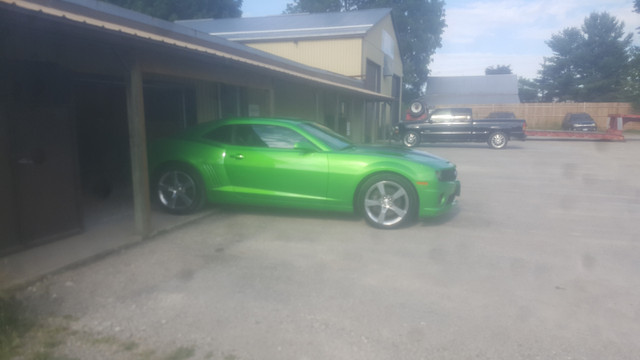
{"points": [[579, 122]]}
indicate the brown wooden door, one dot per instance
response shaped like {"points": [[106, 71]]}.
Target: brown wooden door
{"points": [[8, 222], [40, 154], [44, 172]]}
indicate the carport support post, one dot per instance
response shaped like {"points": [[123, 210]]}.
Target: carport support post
{"points": [[138, 144]]}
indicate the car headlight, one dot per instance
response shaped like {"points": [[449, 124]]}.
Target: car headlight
{"points": [[450, 174]]}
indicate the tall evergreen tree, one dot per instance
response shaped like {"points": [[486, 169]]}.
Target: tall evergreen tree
{"points": [[589, 64], [184, 9], [419, 26]]}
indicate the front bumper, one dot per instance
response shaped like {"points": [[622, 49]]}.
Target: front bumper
{"points": [[437, 199]]}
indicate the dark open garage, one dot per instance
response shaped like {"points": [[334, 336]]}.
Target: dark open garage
{"points": [[84, 86]]}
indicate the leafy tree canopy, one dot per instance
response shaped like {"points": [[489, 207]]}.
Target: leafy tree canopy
{"points": [[184, 9], [633, 80], [528, 90], [419, 25], [588, 64], [498, 70]]}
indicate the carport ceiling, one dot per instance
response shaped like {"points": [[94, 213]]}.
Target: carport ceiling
{"points": [[107, 21]]}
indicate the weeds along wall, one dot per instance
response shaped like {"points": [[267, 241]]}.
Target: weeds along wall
{"points": [[548, 116]]}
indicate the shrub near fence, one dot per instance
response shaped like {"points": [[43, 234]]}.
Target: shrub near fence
{"points": [[548, 116]]}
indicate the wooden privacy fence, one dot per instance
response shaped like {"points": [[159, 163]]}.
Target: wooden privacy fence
{"points": [[548, 116]]}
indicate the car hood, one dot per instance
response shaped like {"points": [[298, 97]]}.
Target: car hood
{"points": [[395, 152]]}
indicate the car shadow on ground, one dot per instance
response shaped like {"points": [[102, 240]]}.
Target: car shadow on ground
{"points": [[440, 220], [284, 212], [427, 146], [325, 215]]}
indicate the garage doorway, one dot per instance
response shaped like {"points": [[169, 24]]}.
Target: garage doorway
{"points": [[104, 161]]}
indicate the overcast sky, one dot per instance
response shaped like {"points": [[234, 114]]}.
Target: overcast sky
{"points": [[486, 33]]}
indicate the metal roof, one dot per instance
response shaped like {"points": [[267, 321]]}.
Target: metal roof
{"points": [[110, 18], [291, 26], [456, 90]]}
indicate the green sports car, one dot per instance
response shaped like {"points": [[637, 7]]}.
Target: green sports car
{"points": [[298, 164]]}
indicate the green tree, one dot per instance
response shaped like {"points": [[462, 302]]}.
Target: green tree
{"points": [[419, 25], [184, 9], [633, 79], [636, 8], [498, 70], [589, 64], [528, 90]]}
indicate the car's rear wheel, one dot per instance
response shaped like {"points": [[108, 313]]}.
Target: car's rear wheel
{"points": [[179, 190], [388, 201], [411, 139], [498, 140]]}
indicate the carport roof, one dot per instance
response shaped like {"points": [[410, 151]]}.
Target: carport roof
{"points": [[110, 18], [291, 26]]}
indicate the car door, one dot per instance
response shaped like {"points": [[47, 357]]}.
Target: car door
{"points": [[265, 167], [438, 127]]}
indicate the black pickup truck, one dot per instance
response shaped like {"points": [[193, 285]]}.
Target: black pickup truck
{"points": [[458, 125]]}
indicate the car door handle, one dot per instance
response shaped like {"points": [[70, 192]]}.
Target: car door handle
{"points": [[238, 156]]}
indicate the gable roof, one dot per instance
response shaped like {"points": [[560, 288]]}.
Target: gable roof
{"points": [[487, 89], [111, 19], [291, 26]]}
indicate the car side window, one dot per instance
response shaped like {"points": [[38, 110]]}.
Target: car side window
{"points": [[441, 116], [460, 116], [278, 137], [246, 135], [223, 134], [271, 136]]}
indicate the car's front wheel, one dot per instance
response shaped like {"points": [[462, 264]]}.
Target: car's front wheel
{"points": [[498, 140], [411, 139], [388, 201], [179, 190]]}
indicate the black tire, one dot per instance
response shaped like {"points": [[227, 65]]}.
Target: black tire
{"points": [[387, 201], [498, 140], [411, 139], [179, 189]]}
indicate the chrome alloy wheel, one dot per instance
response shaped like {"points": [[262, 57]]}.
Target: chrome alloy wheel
{"points": [[411, 139], [177, 190], [386, 203], [498, 140]]}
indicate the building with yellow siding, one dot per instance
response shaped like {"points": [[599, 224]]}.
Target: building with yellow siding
{"points": [[359, 44]]}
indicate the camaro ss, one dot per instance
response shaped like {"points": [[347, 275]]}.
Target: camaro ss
{"points": [[298, 164]]}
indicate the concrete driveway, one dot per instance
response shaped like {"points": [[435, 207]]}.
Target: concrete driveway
{"points": [[541, 260]]}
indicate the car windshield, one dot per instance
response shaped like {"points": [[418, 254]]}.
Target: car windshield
{"points": [[329, 137]]}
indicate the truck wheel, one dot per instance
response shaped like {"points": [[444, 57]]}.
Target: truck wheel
{"points": [[411, 139], [498, 140]]}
